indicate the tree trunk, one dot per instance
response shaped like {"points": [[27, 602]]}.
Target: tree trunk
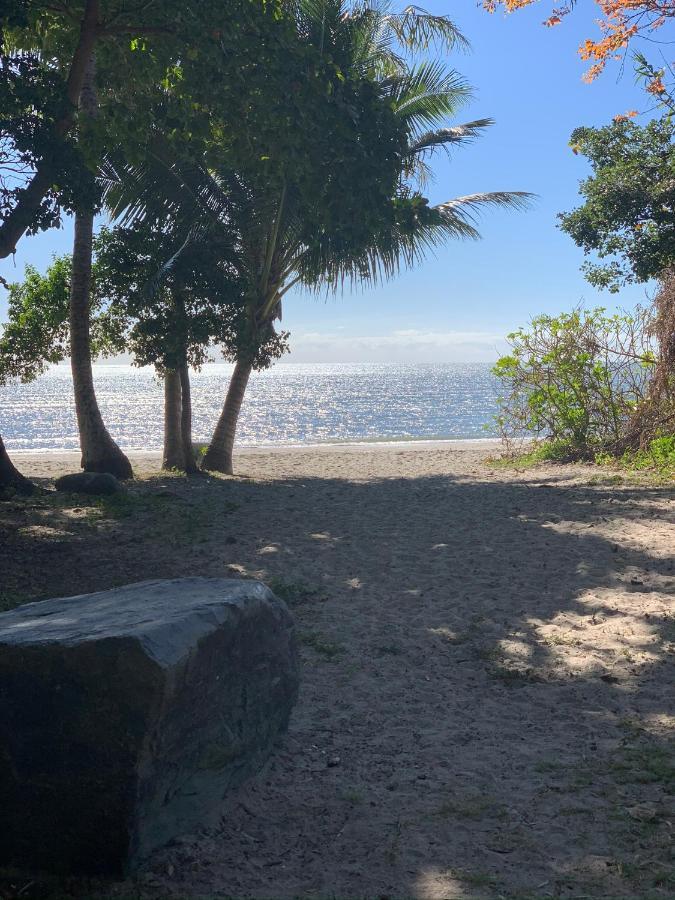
{"points": [[173, 457], [219, 455], [10, 477], [186, 420], [100, 453], [655, 415]]}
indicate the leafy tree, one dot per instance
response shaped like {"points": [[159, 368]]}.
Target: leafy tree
{"points": [[626, 217], [46, 52], [173, 319], [128, 54], [100, 453], [169, 326], [627, 220], [36, 334]]}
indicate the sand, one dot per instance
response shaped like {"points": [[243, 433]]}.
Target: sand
{"points": [[487, 706]]}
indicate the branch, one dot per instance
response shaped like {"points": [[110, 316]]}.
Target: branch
{"points": [[30, 198], [112, 30]]}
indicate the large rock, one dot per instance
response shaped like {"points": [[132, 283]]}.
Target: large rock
{"points": [[89, 483], [127, 715]]}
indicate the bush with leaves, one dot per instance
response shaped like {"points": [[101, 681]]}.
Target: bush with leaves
{"points": [[35, 335], [574, 380], [658, 455]]}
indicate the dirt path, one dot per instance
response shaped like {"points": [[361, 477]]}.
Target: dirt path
{"points": [[487, 706]]}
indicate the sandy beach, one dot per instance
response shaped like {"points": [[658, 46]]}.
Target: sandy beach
{"points": [[487, 706]]}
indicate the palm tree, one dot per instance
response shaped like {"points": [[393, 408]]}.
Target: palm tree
{"points": [[279, 241], [423, 97]]}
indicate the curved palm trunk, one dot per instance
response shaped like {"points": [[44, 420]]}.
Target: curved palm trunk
{"points": [[100, 453], [190, 463], [219, 455], [10, 477], [172, 457], [262, 301]]}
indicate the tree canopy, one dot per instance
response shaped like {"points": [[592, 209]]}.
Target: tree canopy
{"points": [[627, 214], [36, 335], [196, 305], [47, 146]]}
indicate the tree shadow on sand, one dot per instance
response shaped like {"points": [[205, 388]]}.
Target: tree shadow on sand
{"points": [[487, 703]]}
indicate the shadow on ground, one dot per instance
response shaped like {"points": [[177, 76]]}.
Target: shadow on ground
{"points": [[487, 707]]}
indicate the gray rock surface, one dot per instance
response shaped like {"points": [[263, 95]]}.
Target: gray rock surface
{"points": [[127, 715], [89, 483]]}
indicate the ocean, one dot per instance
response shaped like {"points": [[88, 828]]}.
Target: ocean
{"points": [[287, 405]]}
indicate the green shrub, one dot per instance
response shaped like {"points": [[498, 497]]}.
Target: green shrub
{"points": [[659, 455], [662, 451], [574, 380]]}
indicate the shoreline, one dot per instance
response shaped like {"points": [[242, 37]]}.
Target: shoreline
{"points": [[357, 461], [333, 447]]}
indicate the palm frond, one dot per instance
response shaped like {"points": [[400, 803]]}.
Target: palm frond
{"points": [[364, 39], [469, 206], [415, 230], [372, 49], [149, 188], [427, 94], [159, 278], [183, 192], [418, 29], [423, 148], [373, 36], [444, 138]]}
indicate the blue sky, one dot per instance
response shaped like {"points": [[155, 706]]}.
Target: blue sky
{"points": [[458, 305]]}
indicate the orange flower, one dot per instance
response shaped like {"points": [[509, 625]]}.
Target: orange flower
{"points": [[656, 87], [621, 21]]}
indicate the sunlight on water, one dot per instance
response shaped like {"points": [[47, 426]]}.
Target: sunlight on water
{"points": [[289, 404]]}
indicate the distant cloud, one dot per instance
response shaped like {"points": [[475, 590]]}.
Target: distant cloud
{"points": [[400, 346], [405, 345]]}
